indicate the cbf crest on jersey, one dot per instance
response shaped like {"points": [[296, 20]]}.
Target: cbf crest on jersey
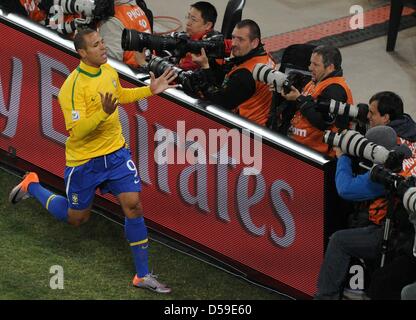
{"points": [[75, 115], [114, 83]]}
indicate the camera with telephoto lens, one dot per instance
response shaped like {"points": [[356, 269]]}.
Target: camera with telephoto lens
{"points": [[388, 164], [355, 144], [90, 11], [191, 81], [279, 80], [97, 9], [405, 187], [358, 112], [178, 44]]}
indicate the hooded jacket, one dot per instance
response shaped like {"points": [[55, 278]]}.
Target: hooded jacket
{"points": [[405, 127]]}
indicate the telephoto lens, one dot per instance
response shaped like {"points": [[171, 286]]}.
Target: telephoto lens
{"points": [[132, 40], [359, 111], [265, 73], [178, 45], [409, 200], [355, 144]]}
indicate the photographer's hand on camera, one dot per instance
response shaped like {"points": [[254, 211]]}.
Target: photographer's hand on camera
{"points": [[338, 152], [140, 57], [201, 59], [292, 95], [308, 108]]}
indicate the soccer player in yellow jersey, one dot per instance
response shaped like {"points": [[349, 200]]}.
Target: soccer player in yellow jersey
{"points": [[96, 155]]}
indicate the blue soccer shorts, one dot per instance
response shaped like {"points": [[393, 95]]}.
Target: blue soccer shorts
{"points": [[114, 173]]}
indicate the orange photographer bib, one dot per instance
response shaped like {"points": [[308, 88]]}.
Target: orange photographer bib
{"points": [[257, 107], [302, 130], [33, 10], [132, 17]]}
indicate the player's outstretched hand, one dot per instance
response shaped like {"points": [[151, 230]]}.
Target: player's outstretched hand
{"points": [[158, 85], [109, 103]]}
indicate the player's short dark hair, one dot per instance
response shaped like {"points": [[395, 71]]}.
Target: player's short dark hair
{"points": [[208, 11], [79, 39], [330, 55], [388, 103], [252, 26]]}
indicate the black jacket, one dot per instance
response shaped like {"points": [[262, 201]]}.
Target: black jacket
{"points": [[405, 127], [239, 87], [321, 120]]}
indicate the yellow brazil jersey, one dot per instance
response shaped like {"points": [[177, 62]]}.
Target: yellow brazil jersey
{"points": [[92, 132]]}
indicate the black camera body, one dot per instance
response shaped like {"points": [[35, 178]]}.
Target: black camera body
{"points": [[178, 44], [267, 74], [390, 180], [296, 79], [191, 82], [404, 187]]}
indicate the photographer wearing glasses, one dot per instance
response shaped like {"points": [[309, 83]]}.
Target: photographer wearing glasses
{"points": [[199, 24]]}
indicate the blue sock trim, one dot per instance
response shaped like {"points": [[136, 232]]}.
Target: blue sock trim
{"points": [[58, 207]]}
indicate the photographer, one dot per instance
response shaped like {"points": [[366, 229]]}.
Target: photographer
{"points": [[393, 280], [361, 242], [239, 91], [327, 83], [386, 108], [64, 16], [28, 8], [200, 22], [128, 15]]}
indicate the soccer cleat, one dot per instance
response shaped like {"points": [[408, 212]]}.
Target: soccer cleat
{"points": [[20, 192], [149, 282]]}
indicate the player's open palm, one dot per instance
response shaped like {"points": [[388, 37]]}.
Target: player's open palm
{"points": [[158, 85], [109, 103]]}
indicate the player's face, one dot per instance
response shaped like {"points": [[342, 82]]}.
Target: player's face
{"points": [[95, 52], [195, 24], [241, 43], [318, 69]]}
